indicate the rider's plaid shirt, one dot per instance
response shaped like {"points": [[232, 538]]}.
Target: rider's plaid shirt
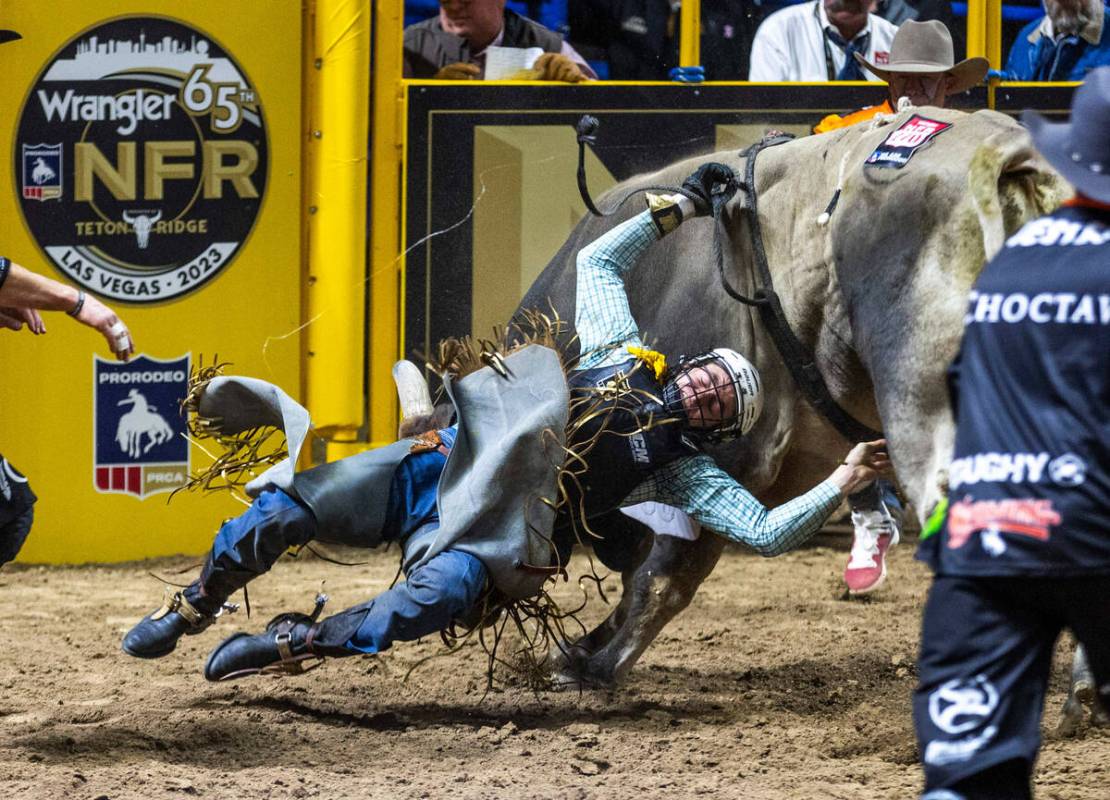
{"points": [[695, 484]]}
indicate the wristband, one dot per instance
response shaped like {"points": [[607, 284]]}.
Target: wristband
{"points": [[5, 268], [73, 312]]}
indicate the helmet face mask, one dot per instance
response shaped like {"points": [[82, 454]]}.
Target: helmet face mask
{"points": [[716, 395]]}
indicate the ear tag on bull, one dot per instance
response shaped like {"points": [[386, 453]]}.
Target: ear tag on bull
{"points": [[900, 144]]}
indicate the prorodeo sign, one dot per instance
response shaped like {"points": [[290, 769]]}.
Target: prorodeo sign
{"points": [[140, 444], [142, 158]]}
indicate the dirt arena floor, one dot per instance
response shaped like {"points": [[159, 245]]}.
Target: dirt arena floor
{"points": [[772, 685]]}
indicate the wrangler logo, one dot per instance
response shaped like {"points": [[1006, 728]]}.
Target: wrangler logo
{"points": [[157, 161]]}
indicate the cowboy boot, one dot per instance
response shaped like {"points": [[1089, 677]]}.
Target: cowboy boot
{"points": [[157, 633], [284, 647]]}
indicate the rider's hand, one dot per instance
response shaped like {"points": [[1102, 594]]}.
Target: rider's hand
{"points": [[459, 71], [97, 315], [557, 67], [866, 462], [711, 186]]}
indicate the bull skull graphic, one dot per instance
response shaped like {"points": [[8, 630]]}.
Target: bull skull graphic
{"points": [[142, 223]]}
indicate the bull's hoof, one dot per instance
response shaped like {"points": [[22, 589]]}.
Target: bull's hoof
{"points": [[572, 667], [1081, 705], [580, 681], [1071, 717]]}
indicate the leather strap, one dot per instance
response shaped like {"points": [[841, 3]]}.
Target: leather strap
{"points": [[797, 357]]}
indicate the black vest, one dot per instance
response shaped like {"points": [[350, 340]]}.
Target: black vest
{"points": [[625, 453], [428, 47]]}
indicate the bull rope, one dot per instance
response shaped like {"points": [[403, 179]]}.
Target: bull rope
{"points": [[798, 359]]}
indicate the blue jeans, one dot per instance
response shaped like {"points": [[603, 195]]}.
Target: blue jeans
{"points": [[426, 602]]}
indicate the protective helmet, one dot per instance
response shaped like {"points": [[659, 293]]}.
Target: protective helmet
{"points": [[745, 384]]}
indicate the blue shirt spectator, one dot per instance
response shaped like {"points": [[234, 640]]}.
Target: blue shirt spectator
{"points": [[1064, 45]]}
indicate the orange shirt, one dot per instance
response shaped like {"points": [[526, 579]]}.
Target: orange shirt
{"points": [[834, 121]]}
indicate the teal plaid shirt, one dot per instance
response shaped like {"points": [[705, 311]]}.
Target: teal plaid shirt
{"points": [[694, 484]]}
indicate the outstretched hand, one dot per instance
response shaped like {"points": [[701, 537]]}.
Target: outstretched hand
{"points": [[711, 186], [866, 462], [97, 315]]}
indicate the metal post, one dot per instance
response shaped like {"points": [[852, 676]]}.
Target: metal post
{"points": [[386, 261], [689, 46], [336, 160]]}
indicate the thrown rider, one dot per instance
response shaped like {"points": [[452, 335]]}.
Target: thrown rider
{"points": [[411, 492]]}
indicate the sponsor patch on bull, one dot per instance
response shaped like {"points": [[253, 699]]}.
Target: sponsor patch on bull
{"points": [[157, 160], [140, 446], [909, 137], [1021, 516]]}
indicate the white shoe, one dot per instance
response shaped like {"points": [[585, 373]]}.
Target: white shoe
{"points": [[874, 533]]}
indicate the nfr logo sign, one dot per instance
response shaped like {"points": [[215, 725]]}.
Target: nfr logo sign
{"points": [[151, 139], [140, 445]]}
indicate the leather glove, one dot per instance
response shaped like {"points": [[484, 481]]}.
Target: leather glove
{"points": [[459, 71], [710, 187], [557, 67]]}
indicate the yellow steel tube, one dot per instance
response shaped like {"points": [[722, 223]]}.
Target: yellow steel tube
{"points": [[993, 14], [977, 28], [386, 264], [689, 43], [338, 124]]}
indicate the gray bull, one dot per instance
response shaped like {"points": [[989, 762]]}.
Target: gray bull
{"points": [[878, 295]]}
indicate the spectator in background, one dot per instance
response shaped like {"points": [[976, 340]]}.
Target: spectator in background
{"points": [[921, 67], [452, 46], [815, 41], [1070, 40], [639, 38], [894, 11], [898, 11]]}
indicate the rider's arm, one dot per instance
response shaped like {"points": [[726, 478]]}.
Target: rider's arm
{"points": [[712, 497], [602, 317]]}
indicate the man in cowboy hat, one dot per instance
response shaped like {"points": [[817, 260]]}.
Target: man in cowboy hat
{"points": [[921, 67], [1025, 549]]}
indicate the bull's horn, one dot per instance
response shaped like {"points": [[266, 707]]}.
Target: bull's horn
{"points": [[128, 218], [412, 390], [157, 216]]}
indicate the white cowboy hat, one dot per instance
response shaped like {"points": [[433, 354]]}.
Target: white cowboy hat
{"points": [[925, 48]]}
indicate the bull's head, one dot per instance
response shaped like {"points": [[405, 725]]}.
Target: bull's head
{"points": [[142, 223]]}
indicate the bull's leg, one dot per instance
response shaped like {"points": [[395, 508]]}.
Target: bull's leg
{"points": [[662, 586], [1081, 696], [570, 659]]}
